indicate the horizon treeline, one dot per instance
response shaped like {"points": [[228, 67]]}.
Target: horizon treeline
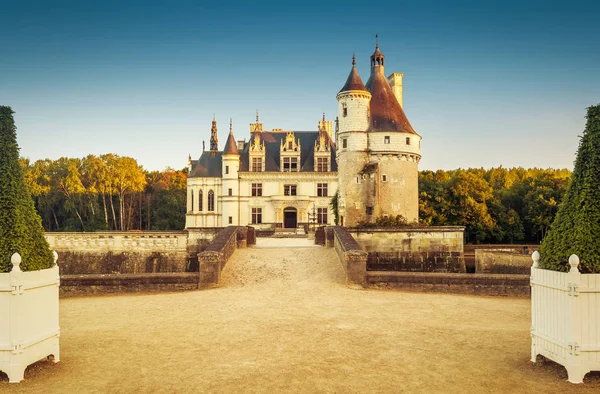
{"points": [[107, 192], [111, 192]]}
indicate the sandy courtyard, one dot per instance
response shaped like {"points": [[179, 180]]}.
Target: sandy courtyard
{"points": [[284, 321]]}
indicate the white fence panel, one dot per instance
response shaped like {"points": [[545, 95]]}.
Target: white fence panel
{"points": [[29, 329], [565, 318]]}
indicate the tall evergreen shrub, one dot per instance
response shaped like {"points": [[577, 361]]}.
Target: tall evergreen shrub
{"points": [[576, 228], [20, 226]]}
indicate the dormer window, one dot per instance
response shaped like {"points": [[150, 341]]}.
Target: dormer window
{"points": [[257, 164], [290, 164], [322, 164]]}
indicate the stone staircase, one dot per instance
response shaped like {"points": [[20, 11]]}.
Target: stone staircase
{"points": [[290, 233]]}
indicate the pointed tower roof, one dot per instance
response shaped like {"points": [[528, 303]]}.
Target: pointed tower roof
{"points": [[354, 82], [386, 112], [231, 145]]}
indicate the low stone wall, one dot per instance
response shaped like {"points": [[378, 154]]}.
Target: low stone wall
{"points": [[502, 261], [213, 259], [111, 252], [478, 284], [350, 254], [424, 248], [78, 285]]}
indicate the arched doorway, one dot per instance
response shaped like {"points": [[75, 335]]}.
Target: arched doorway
{"points": [[290, 217]]}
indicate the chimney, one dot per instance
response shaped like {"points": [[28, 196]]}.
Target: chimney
{"points": [[395, 81]]}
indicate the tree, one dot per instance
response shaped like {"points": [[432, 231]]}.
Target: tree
{"points": [[576, 228], [20, 226]]}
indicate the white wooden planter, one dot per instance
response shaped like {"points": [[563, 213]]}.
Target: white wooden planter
{"points": [[565, 318], [29, 329]]}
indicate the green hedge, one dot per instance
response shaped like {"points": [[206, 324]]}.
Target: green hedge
{"points": [[20, 226], [576, 228]]}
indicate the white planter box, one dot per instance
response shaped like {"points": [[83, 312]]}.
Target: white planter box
{"points": [[29, 329], [565, 318]]}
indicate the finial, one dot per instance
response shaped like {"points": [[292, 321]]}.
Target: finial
{"points": [[573, 262], [230, 126], [353, 59], [15, 259], [256, 116], [536, 259], [214, 117], [323, 116], [377, 41], [203, 145]]}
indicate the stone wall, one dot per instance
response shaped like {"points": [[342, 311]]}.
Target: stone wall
{"points": [[351, 256], [213, 259], [130, 252], [502, 261], [480, 284], [413, 248]]}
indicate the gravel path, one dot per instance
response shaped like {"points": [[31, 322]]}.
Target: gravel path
{"points": [[283, 320]]}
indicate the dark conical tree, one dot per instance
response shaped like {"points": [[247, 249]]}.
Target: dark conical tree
{"points": [[20, 226], [576, 228]]}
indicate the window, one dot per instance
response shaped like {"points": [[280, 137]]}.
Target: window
{"points": [[290, 145], [230, 192], [384, 178], [256, 189], [256, 215], [386, 139], [345, 111], [369, 210], [357, 180], [321, 190], [290, 164], [289, 190], [230, 220], [226, 169], [257, 164], [322, 215], [200, 200], [192, 201], [345, 143], [407, 140], [322, 164], [211, 201]]}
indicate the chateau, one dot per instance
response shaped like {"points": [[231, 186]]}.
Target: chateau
{"points": [[286, 178]]}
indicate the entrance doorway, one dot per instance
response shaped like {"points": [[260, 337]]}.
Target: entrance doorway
{"points": [[290, 218]]}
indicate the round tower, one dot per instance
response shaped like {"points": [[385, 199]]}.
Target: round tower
{"points": [[394, 150], [231, 184], [351, 146]]}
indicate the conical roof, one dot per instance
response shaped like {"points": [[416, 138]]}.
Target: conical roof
{"points": [[386, 112], [231, 146], [354, 82]]}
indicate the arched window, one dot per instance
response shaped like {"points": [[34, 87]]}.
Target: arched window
{"points": [[200, 200], [211, 201]]}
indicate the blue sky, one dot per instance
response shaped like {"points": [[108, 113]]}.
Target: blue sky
{"points": [[485, 83]]}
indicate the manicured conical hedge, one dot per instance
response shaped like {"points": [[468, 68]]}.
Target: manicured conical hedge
{"points": [[576, 228], [20, 226]]}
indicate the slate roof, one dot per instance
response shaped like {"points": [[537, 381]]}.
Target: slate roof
{"points": [[230, 146], [354, 82], [210, 165]]}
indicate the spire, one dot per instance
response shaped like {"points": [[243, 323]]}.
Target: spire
{"points": [[353, 82], [256, 127], [214, 140], [231, 145], [257, 116], [377, 57]]}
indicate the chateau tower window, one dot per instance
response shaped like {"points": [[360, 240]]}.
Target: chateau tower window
{"points": [[226, 169], [407, 140], [256, 215], [192, 201], [289, 190], [384, 178], [200, 200], [211, 201], [369, 210], [322, 215], [321, 190], [256, 189], [386, 139], [230, 220], [345, 143], [230, 192]]}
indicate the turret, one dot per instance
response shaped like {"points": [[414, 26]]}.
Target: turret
{"points": [[231, 192], [351, 148]]}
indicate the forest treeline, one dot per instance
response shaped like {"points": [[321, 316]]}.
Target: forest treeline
{"points": [[107, 192], [111, 192]]}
